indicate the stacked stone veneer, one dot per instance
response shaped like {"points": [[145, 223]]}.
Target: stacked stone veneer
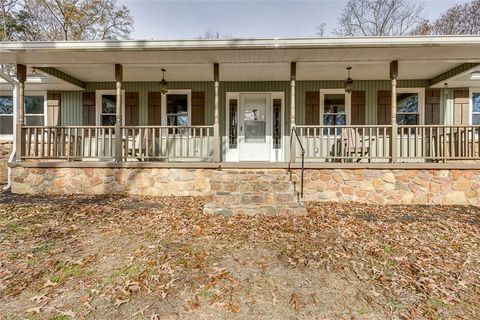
{"points": [[363, 185], [445, 187], [5, 149], [145, 181]]}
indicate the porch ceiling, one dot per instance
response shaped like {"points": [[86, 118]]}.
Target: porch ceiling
{"points": [[467, 79], [249, 59], [41, 84], [374, 70]]}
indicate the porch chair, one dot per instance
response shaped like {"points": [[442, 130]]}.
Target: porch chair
{"points": [[352, 144]]}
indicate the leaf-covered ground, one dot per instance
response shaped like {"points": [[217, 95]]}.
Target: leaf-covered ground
{"points": [[161, 258]]}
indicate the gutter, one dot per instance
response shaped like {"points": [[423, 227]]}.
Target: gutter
{"points": [[14, 83], [225, 44]]}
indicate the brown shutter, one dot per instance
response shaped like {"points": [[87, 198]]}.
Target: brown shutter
{"points": [[53, 108], [384, 111], [132, 109], [312, 108], [358, 108], [460, 110], [154, 108], [89, 113], [198, 108], [432, 106]]}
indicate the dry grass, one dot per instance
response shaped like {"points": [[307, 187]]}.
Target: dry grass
{"points": [[160, 258]]}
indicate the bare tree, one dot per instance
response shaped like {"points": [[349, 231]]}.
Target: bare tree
{"points": [[7, 18], [460, 19], [210, 34], [48, 20], [321, 29], [379, 18]]}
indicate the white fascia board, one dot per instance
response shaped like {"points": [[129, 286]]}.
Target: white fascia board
{"points": [[314, 42]]}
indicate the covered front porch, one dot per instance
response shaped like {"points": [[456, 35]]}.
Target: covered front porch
{"points": [[235, 104]]}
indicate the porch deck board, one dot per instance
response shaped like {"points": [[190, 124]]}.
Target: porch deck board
{"points": [[247, 165]]}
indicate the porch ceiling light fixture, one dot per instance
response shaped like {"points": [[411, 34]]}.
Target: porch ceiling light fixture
{"points": [[163, 83], [349, 82]]}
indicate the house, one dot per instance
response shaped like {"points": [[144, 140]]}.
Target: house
{"points": [[373, 119]]}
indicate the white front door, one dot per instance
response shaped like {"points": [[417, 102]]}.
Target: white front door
{"points": [[255, 134]]}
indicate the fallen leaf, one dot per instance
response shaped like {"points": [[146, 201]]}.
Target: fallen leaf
{"points": [[40, 299], [296, 302], [119, 302], [49, 283]]}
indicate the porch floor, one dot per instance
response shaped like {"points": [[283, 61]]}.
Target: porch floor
{"points": [[466, 164]]}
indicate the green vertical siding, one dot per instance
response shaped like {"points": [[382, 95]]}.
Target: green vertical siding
{"points": [[143, 88], [71, 108], [369, 86], [72, 100]]}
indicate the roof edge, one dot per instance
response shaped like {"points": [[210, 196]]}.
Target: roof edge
{"points": [[272, 43]]}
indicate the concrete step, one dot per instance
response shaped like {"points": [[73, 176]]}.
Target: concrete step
{"points": [[269, 192], [247, 198], [229, 177], [271, 210], [252, 186]]}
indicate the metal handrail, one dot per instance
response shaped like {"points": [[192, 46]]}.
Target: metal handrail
{"points": [[294, 132]]}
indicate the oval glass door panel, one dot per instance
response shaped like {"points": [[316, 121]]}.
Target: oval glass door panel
{"points": [[255, 129]]}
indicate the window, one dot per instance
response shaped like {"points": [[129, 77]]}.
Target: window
{"points": [[34, 112], [335, 105], [334, 109], [277, 123], [108, 111], [106, 107], [177, 110], [233, 126], [410, 106], [6, 115], [408, 109], [475, 98]]}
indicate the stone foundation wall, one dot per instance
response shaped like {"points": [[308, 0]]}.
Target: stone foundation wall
{"points": [[145, 181], [377, 186], [445, 187], [5, 149]]}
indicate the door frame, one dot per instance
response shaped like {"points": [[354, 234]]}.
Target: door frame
{"points": [[232, 154]]}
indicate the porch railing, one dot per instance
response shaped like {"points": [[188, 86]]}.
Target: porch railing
{"points": [[379, 143], [139, 143], [168, 143], [368, 143], [68, 142]]}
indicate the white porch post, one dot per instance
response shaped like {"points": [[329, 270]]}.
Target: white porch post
{"points": [[118, 115], [216, 124], [21, 77], [394, 135], [293, 144]]}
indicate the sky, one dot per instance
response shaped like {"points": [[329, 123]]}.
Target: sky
{"points": [[182, 19]]}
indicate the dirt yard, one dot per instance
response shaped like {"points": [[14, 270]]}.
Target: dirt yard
{"points": [[161, 258]]}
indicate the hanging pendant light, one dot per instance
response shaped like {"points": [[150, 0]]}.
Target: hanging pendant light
{"points": [[349, 82], [163, 83]]}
